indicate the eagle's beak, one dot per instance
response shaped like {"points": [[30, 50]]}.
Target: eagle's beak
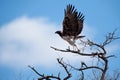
{"points": [[55, 32]]}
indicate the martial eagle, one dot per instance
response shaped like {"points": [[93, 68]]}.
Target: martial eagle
{"points": [[72, 25]]}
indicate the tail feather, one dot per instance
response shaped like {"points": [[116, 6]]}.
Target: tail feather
{"points": [[79, 37]]}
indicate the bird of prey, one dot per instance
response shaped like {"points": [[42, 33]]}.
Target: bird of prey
{"points": [[72, 25]]}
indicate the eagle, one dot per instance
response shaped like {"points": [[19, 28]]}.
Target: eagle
{"points": [[72, 25]]}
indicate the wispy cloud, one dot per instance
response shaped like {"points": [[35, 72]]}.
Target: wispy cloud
{"points": [[26, 41]]}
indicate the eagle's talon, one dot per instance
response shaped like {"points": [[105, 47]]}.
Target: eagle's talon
{"points": [[78, 50]]}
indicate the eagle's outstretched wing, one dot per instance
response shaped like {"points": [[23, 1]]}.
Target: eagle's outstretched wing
{"points": [[73, 21], [80, 23]]}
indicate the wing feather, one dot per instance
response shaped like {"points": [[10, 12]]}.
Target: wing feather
{"points": [[73, 21]]}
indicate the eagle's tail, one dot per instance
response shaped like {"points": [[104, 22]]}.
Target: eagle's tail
{"points": [[78, 37]]}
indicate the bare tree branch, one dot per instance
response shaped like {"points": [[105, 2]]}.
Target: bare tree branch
{"points": [[100, 53], [65, 67], [35, 71], [75, 52], [110, 38], [110, 56], [85, 68], [42, 76]]}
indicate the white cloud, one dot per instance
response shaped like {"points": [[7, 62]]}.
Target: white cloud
{"points": [[26, 41]]}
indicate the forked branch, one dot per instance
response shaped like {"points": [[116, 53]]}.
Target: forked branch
{"points": [[101, 54], [45, 77]]}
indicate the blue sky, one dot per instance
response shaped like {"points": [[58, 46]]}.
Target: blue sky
{"points": [[27, 31]]}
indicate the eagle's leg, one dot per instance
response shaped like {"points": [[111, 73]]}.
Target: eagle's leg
{"points": [[75, 48], [68, 48]]}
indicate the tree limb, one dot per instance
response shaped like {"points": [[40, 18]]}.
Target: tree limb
{"points": [[69, 75], [42, 76]]}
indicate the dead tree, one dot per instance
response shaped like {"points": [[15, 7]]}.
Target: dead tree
{"points": [[100, 53]]}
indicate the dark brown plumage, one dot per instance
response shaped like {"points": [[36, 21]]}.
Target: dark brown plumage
{"points": [[72, 24]]}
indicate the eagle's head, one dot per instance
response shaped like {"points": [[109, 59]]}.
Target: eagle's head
{"points": [[59, 33]]}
